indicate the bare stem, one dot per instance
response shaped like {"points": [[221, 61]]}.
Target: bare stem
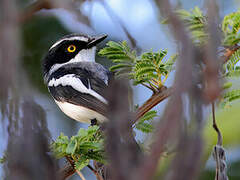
{"points": [[147, 86], [215, 126], [154, 100], [80, 175]]}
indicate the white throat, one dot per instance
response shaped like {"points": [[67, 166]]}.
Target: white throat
{"points": [[83, 55]]}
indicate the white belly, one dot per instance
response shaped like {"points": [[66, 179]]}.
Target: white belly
{"points": [[80, 113]]}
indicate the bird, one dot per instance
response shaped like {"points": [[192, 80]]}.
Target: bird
{"points": [[75, 81]]}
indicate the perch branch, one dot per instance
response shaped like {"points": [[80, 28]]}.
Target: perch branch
{"points": [[219, 152], [154, 100], [215, 126]]}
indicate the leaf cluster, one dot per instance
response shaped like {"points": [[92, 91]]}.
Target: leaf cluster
{"points": [[232, 67], [196, 24], [231, 70], [87, 145], [150, 69], [231, 29]]}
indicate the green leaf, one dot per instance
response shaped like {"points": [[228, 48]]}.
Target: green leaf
{"points": [[196, 24], [144, 127], [2, 159], [145, 71], [231, 29], [231, 68], [235, 73], [227, 85], [81, 163], [62, 138], [148, 116], [92, 130], [144, 122], [121, 55], [90, 145], [72, 146], [146, 68], [87, 145], [232, 95], [170, 63], [160, 56], [120, 66], [82, 132], [115, 45]]}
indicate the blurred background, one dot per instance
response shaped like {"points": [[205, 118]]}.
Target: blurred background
{"points": [[136, 21]]}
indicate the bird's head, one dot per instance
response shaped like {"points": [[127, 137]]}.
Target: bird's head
{"points": [[69, 49]]}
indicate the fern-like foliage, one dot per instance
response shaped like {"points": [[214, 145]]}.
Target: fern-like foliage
{"points": [[196, 23], [144, 124], [232, 95], [231, 29], [85, 146], [122, 57], [232, 67], [231, 70], [150, 69]]}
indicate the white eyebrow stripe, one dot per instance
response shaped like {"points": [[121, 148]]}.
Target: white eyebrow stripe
{"points": [[79, 38], [75, 83]]}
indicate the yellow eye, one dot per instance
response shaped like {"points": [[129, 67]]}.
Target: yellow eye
{"points": [[71, 48]]}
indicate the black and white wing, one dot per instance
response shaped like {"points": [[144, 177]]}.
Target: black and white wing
{"points": [[81, 84]]}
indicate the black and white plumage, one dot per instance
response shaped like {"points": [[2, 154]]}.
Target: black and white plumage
{"points": [[76, 82]]}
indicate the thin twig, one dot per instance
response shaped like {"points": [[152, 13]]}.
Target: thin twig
{"points": [[215, 126], [98, 176], [149, 87], [66, 172], [80, 175], [115, 18], [71, 161], [219, 152], [228, 52], [33, 8], [91, 168]]}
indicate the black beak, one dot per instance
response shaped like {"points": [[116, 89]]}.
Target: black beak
{"points": [[95, 40]]}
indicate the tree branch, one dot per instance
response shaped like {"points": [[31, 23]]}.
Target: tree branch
{"points": [[154, 100], [66, 172], [229, 52], [33, 8]]}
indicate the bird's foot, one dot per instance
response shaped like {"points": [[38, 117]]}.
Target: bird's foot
{"points": [[93, 122]]}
